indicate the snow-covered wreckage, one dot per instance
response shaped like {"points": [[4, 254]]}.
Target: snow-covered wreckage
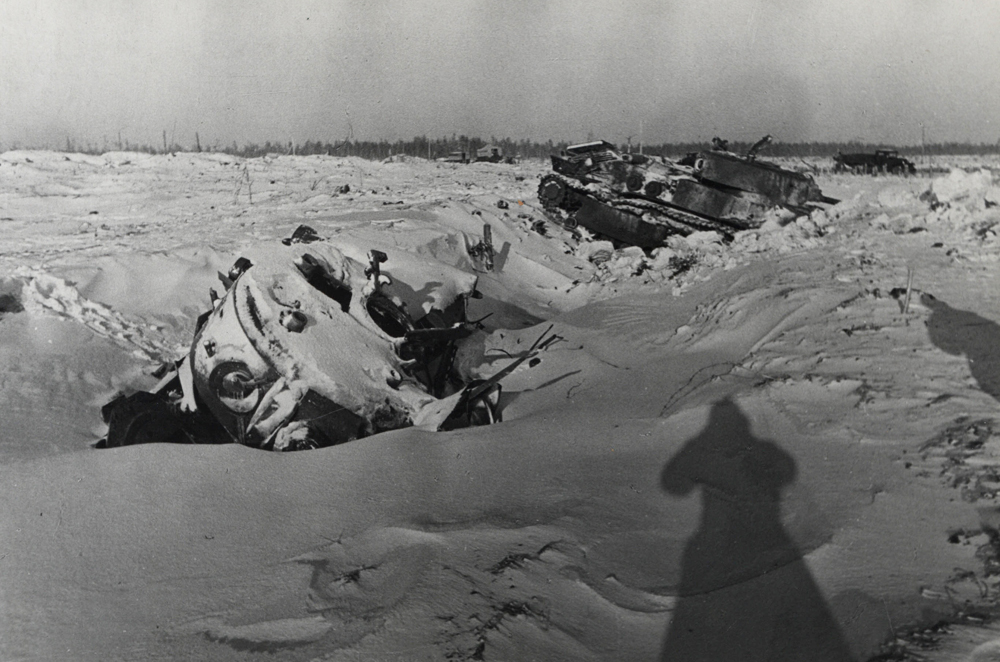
{"points": [[313, 345], [640, 200]]}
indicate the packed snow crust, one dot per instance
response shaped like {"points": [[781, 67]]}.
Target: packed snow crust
{"points": [[800, 426]]}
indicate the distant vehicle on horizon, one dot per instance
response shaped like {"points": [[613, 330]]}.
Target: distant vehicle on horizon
{"points": [[485, 154], [883, 160], [455, 157], [490, 153]]}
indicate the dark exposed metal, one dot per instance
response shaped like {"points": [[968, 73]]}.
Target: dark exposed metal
{"points": [[882, 161]]}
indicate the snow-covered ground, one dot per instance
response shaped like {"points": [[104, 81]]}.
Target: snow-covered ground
{"points": [[760, 450]]}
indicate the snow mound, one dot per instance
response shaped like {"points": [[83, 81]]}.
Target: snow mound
{"points": [[43, 294], [961, 186], [896, 196]]}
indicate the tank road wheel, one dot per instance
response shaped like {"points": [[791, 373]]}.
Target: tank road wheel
{"points": [[654, 189], [552, 192], [634, 181]]}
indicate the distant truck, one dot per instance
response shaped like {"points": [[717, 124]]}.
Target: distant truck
{"points": [[883, 160], [490, 153]]}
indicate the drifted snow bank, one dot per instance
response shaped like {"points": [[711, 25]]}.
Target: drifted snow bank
{"points": [[42, 294], [971, 189], [966, 202]]}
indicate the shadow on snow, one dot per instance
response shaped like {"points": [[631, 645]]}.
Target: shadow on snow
{"points": [[964, 333], [745, 592]]}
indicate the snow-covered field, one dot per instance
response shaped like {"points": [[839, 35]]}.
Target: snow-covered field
{"points": [[751, 451]]}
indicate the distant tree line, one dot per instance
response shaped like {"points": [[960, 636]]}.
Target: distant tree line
{"points": [[422, 146], [434, 148], [425, 147]]}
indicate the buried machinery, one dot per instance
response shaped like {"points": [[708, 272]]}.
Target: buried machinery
{"points": [[641, 200], [312, 347]]}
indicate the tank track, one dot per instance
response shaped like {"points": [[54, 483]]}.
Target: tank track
{"points": [[563, 204], [678, 220]]}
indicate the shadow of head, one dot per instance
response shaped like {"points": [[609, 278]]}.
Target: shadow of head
{"points": [[730, 462], [964, 333]]}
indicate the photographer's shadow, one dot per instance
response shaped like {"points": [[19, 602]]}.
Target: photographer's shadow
{"points": [[745, 593], [964, 333]]}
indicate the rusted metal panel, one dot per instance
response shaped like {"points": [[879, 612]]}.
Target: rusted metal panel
{"points": [[740, 206], [780, 186], [619, 225]]}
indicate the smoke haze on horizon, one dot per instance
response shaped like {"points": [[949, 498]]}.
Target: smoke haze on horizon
{"points": [[663, 70]]}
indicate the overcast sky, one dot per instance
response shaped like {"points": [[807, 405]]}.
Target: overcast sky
{"points": [[668, 70]]}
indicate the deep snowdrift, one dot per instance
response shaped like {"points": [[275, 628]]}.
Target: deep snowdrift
{"points": [[735, 451]]}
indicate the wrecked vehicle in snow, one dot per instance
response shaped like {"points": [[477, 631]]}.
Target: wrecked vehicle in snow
{"points": [[489, 154], [641, 200], [312, 346], [882, 161]]}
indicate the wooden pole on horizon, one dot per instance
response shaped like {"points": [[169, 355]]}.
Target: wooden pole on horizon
{"points": [[164, 141], [197, 141]]}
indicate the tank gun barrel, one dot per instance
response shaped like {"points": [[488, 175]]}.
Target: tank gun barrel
{"points": [[757, 146]]}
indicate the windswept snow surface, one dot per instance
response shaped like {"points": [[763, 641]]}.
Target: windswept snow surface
{"points": [[760, 450]]}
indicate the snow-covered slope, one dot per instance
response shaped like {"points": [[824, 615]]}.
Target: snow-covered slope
{"points": [[726, 440]]}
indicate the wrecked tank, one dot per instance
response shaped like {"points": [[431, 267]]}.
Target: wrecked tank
{"points": [[641, 200], [312, 346]]}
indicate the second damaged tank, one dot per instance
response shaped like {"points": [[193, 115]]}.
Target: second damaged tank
{"points": [[641, 200]]}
